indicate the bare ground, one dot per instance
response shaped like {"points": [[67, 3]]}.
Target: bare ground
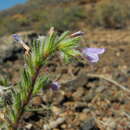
{"points": [[85, 102]]}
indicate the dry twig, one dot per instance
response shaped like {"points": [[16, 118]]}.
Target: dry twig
{"points": [[84, 76]]}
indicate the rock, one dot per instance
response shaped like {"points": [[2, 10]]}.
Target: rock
{"points": [[56, 110], [75, 83], [27, 115], [100, 89], [53, 124], [80, 106], [9, 50], [91, 94], [63, 126], [37, 100], [28, 126], [89, 125], [82, 116], [122, 78], [78, 94]]}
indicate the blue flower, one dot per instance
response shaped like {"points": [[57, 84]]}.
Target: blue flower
{"points": [[17, 37], [92, 54]]}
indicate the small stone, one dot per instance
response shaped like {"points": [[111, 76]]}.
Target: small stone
{"points": [[89, 96], [37, 100], [122, 78], [82, 116], [63, 126], [127, 107], [118, 54], [89, 125], [100, 89], [116, 106], [77, 95], [29, 126], [56, 110], [27, 115]]}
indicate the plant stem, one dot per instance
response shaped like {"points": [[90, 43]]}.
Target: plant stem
{"points": [[20, 114]]}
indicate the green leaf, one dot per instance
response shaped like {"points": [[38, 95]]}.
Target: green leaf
{"points": [[65, 57], [40, 83], [11, 114], [30, 66], [4, 81], [69, 43], [42, 44], [63, 36], [72, 52], [36, 56], [50, 44], [26, 79]]}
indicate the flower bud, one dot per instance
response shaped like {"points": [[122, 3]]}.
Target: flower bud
{"points": [[54, 86], [76, 34]]}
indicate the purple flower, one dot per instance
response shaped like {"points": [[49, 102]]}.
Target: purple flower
{"points": [[92, 54], [17, 37], [55, 86]]}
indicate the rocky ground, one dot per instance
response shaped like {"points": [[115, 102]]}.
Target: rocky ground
{"points": [[92, 96]]}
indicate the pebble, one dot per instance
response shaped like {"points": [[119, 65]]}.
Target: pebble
{"points": [[89, 125], [82, 116], [63, 126], [77, 95], [29, 126], [56, 110], [37, 100]]}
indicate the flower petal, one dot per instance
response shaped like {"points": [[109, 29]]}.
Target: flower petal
{"points": [[94, 50], [93, 58], [16, 37]]}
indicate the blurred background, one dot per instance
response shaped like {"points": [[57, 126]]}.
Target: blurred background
{"points": [[95, 103], [63, 15]]}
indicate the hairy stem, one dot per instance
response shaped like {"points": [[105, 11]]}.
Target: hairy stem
{"points": [[20, 114]]}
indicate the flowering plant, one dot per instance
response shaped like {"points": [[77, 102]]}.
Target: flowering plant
{"points": [[36, 57]]}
